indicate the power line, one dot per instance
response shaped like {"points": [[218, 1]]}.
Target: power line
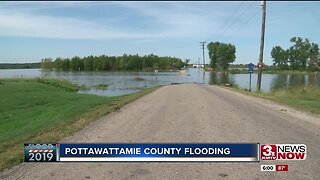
{"points": [[229, 26], [229, 18], [243, 25]]}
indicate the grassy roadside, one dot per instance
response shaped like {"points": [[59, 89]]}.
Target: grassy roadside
{"points": [[276, 71], [271, 71], [302, 98], [40, 112]]}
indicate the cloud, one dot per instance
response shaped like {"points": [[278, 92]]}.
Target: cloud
{"points": [[20, 19], [151, 21], [200, 19], [178, 18], [27, 6], [28, 25]]}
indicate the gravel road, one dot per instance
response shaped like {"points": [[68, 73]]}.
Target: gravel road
{"points": [[191, 113]]}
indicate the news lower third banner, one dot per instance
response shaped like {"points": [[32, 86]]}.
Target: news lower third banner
{"points": [[141, 152]]}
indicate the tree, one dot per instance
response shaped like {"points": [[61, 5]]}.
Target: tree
{"points": [[133, 63], [47, 64], [88, 63], [213, 53], [221, 54], [301, 55], [58, 64], [314, 63], [66, 64], [76, 64], [280, 57]]}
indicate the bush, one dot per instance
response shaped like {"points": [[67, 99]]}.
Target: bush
{"points": [[102, 86], [139, 79], [64, 84]]}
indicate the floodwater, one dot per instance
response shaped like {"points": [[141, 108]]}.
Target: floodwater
{"points": [[120, 83]]}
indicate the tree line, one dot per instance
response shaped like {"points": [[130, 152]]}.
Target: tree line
{"points": [[113, 63], [19, 65], [302, 55]]}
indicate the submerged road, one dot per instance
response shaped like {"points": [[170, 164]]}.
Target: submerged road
{"points": [[191, 113]]}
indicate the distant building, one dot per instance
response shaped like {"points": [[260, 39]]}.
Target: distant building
{"points": [[197, 65]]}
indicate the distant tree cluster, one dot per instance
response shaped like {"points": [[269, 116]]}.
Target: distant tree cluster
{"points": [[238, 66], [302, 55], [221, 55], [113, 63], [19, 65]]}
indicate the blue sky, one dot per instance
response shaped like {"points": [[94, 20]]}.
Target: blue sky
{"points": [[30, 31]]}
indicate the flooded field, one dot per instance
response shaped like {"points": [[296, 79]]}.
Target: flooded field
{"points": [[120, 83]]}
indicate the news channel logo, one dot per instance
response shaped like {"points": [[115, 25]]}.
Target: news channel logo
{"points": [[283, 152]]}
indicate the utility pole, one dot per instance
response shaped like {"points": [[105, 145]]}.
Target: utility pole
{"points": [[202, 44], [263, 27]]}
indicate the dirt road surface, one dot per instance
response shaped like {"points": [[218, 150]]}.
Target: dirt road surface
{"points": [[191, 113]]}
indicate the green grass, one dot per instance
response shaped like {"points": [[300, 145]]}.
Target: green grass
{"points": [[38, 112], [271, 71], [64, 84], [303, 98], [277, 71], [59, 83], [83, 87], [102, 86]]}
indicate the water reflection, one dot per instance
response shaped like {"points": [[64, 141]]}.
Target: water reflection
{"points": [[294, 80], [222, 78]]}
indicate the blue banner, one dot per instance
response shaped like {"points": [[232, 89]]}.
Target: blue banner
{"points": [[145, 151]]}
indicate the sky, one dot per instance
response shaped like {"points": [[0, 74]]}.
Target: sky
{"points": [[30, 31]]}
